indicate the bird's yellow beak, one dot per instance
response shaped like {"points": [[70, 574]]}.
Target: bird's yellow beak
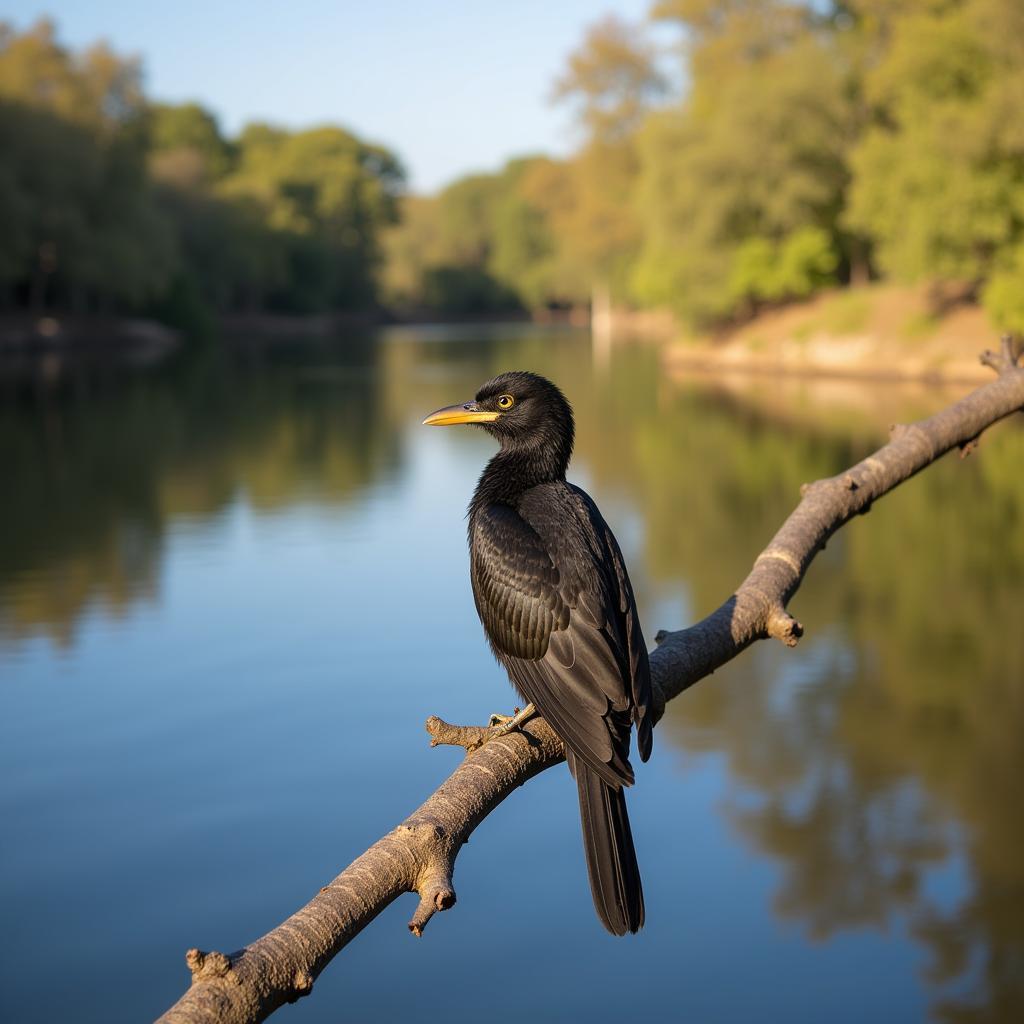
{"points": [[466, 412]]}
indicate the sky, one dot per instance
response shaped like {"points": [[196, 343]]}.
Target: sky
{"points": [[452, 86]]}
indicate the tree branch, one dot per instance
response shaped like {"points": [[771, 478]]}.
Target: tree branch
{"points": [[419, 855]]}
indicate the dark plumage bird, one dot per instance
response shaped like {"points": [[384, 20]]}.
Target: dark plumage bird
{"points": [[557, 607]]}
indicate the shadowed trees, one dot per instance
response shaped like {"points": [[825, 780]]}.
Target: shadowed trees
{"points": [[112, 203], [81, 226]]}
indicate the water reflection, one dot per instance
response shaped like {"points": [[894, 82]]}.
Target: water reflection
{"points": [[877, 767], [892, 746], [100, 470]]}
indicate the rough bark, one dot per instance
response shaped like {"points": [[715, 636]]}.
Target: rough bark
{"points": [[419, 855]]}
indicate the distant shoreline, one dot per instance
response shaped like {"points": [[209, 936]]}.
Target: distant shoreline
{"points": [[873, 333], [24, 334]]}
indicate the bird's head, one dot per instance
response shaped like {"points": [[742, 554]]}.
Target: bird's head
{"points": [[521, 409]]}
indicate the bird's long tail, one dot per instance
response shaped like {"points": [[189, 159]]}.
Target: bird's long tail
{"points": [[611, 859]]}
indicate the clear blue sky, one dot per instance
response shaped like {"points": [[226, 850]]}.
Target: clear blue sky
{"points": [[453, 86]]}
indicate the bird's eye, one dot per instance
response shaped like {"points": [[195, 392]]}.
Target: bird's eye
{"points": [[506, 401]]}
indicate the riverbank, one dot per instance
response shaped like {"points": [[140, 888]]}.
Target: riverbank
{"points": [[877, 332], [872, 333]]}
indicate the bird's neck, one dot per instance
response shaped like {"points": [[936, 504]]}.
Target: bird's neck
{"points": [[517, 468]]}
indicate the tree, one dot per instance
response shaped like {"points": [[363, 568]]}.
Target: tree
{"points": [[482, 245], [187, 136], [742, 185], [326, 195], [111, 201], [613, 79], [939, 173], [523, 253], [95, 89], [73, 179]]}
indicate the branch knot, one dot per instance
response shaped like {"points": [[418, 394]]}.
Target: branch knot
{"points": [[1006, 359], [782, 626], [207, 965]]}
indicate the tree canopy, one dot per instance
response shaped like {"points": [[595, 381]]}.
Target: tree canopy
{"points": [[805, 145], [731, 155], [110, 201]]}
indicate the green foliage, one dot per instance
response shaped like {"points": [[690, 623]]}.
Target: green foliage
{"points": [[792, 269], [939, 172], [741, 185], [188, 135], [546, 232], [325, 196], [109, 203], [80, 217], [1003, 296], [465, 290], [813, 144], [614, 80], [483, 245], [613, 77], [95, 89], [557, 191], [523, 250]]}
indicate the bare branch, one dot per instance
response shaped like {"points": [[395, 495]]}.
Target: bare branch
{"points": [[1005, 361], [468, 736], [419, 855]]}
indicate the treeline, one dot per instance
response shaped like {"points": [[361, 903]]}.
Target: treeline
{"points": [[773, 150], [111, 203], [804, 145]]}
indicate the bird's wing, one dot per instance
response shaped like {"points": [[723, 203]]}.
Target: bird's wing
{"points": [[548, 592], [639, 663]]}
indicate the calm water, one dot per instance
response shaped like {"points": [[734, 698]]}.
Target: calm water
{"points": [[232, 590]]}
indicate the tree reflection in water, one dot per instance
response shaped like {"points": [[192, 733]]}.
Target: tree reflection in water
{"points": [[890, 747]]}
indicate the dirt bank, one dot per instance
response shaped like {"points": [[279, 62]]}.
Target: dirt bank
{"points": [[875, 332]]}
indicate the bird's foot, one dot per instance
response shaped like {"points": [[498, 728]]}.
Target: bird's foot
{"points": [[473, 737], [502, 725]]}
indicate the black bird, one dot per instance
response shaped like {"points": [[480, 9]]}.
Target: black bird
{"points": [[556, 604]]}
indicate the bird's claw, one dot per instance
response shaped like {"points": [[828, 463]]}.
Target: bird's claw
{"points": [[502, 725], [496, 719]]}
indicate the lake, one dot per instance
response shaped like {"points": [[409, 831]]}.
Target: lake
{"points": [[233, 587]]}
